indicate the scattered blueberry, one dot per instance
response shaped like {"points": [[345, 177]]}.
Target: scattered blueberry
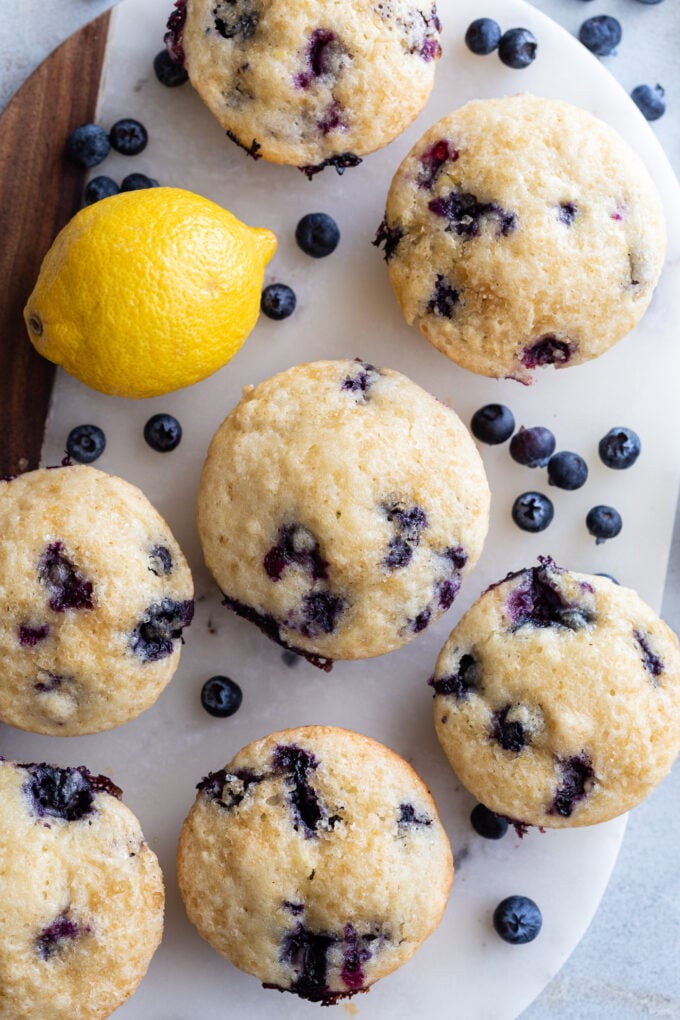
{"points": [[603, 522], [128, 137], [168, 71], [517, 48], [487, 823], [137, 182], [601, 34], [620, 448], [317, 234], [493, 424], [532, 447], [221, 696], [650, 99], [532, 511], [88, 145], [163, 432], [278, 301], [567, 470], [517, 919], [98, 188], [483, 36], [85, 443]]}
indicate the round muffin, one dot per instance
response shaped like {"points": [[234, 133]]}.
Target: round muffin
{"points": [[557, 698], [95, 592], [522, 232], [339, 507], [81, 895], [310, 83], [316, 861]]}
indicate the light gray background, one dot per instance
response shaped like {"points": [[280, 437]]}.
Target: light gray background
{"points": [[627, 965]]}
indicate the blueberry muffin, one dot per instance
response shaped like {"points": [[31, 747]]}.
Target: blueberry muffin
{"points": [[310, 83], [557, 698], [95, 592], [81, 895], [316, 861], [339, 507], [522, 232]]}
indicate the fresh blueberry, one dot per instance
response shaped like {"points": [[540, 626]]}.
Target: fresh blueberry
{"points": [[650, 99], [483, 36], [517, 48], [532, 447], [98, 188], [128, 137], [317, 234], [163, 432], [517, 919], [137, 182], [85, 443], [88, 145], [278, 301], [532, 511], [487, 823], [601, 34], [603, 522], [221, 696], [168, 71], [492, 424], [620, 448], [567, 470]]}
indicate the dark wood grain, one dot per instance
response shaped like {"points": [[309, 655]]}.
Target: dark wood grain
{"points": [[39, 192]]}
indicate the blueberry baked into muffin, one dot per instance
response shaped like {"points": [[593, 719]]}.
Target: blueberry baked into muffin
{"points": [[316, 861], [95, 593], [339, 508], [309, 82], [522, 232], [81, 895], [557, 698]]}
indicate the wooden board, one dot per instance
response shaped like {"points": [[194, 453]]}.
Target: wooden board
{"points": [[39, 192]]}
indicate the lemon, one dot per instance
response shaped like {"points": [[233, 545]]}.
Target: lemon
{"points": [[148, 291]]}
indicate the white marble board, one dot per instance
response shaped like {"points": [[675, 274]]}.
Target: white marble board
{"points": [[346, 308]]}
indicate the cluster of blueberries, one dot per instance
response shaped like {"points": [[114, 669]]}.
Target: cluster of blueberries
{"points": [[90, 144], [600, 34], [535, 447]]}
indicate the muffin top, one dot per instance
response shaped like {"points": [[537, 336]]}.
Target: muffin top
{"points": [[557, 698], [316, 861], [522, 232], [340, 506], [312, 82], [95, 591]]}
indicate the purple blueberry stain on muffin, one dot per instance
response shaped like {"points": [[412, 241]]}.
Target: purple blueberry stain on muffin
{"points": [[355, 952], [334, 118], [31, 635], [160, 561], [341, 161], [320, 613], [295, 908], [297, 765], [548, 350], [576, 778], [159, 627], [409, 817], [466, 679], [51, 682], [173, 38], [306, 953], [236, 19], [432, 161], [651, 662], [66, 586], [271, 628], [252, 150], [465, 214], [509, 732], [58, 934], [296, 547], [361, 382], [324, 57], [535, 601], [567, 212], [66, 793], [389, 237], [444, 298], [228, 789]]}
